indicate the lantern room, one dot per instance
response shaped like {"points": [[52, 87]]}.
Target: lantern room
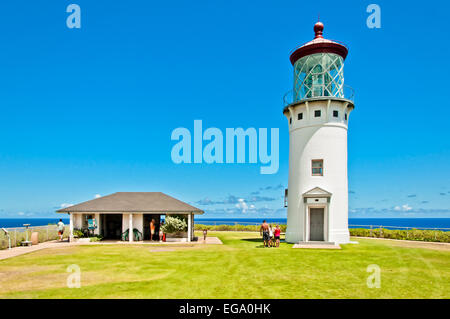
{"points": [[319, 69]]}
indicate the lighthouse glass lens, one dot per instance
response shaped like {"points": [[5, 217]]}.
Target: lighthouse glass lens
{"points": [[319, 75]]}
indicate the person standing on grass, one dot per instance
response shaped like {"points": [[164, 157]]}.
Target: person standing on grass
{"points": [[205, 232], [277, 234], [264, 231], [271, 242], [60, 226]]}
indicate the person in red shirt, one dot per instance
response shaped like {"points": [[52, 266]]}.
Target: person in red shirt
{"points": [[277, 234]]}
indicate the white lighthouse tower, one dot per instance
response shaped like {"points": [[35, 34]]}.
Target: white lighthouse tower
{"points": [[318, 110]]}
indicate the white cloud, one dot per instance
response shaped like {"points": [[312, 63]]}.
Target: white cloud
{"points": [[403, 208], [242, 205], [21, 213], [98, 195], [65, 205]]}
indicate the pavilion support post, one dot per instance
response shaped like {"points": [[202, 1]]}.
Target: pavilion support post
{"points": [[70, 227], [130, 231], [189, 227]]}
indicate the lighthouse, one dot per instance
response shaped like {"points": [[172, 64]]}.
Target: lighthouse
{"points": [[318, 110]]}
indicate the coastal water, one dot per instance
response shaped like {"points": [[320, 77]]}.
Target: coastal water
{"points": [[392, 223]]}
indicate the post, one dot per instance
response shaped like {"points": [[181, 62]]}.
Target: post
{"points": [[130, 228], [70, 227], [189, 226]]}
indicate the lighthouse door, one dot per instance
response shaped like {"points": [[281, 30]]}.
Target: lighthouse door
{"points": [[316, 221]]}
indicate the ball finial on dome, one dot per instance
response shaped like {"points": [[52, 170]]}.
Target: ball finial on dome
{"points": [[318, 29]]}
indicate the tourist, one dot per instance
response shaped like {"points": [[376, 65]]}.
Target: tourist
{"points": [[60, 229], [161, 233], [152, 229], [271, 242], [264, 231], [205, 232], [277, 234]]}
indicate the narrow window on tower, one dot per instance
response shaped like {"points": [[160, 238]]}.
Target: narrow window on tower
{"points": [[317, 167], [335, 113], [346, 116], [317, 113], [300, 116], [290, 120]]}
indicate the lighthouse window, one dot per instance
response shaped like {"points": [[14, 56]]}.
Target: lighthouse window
{"points": [[290, 120], [300, 116], [317, 113], [317, 167], [346, 116], [335, 113]]}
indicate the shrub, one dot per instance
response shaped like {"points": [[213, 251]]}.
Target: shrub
{"points": [[410, 234], [96, 238], [174, 224], [78, 233]]}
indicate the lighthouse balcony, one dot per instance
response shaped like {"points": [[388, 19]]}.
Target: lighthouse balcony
{"points": [[319, 92]]}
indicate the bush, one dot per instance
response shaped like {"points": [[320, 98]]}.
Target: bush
{"points": [[78, 233], [174, 224], [96, 238], [410, 234]]}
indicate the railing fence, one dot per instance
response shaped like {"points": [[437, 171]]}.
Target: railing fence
{"points": [[18, 234]]}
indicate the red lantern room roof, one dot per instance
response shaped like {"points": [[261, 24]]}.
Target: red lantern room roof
{"points": [[319, 45]]}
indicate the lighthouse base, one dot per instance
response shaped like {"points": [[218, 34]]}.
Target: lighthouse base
{"points": [[338, 236]]}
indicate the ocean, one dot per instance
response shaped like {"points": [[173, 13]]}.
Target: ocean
{"points": [[392, 223]]}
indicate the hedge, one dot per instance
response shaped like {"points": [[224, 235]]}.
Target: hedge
{"points": [[410, 234]]}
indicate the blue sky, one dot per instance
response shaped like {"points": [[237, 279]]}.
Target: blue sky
{"points": [[91, 111]]}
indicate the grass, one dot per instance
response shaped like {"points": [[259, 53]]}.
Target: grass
{"points": [[240, 268]]}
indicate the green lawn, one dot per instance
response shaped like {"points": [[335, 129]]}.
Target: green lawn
{"points": [[240, 268]]}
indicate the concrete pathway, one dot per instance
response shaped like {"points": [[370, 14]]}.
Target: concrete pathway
{"points": [[17, 251]]}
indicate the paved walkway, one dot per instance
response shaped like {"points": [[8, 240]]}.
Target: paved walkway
{"points": [[17, 251]]}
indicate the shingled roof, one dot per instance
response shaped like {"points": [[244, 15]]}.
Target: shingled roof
{"points": [[138, 202]]}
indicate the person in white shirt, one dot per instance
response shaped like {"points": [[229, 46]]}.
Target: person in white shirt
{"points": [[270, 235], [60, 226]]}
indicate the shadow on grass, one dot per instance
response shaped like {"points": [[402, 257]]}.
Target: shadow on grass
{"points": [[257, 240], [260, 242], [254, 240]]}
